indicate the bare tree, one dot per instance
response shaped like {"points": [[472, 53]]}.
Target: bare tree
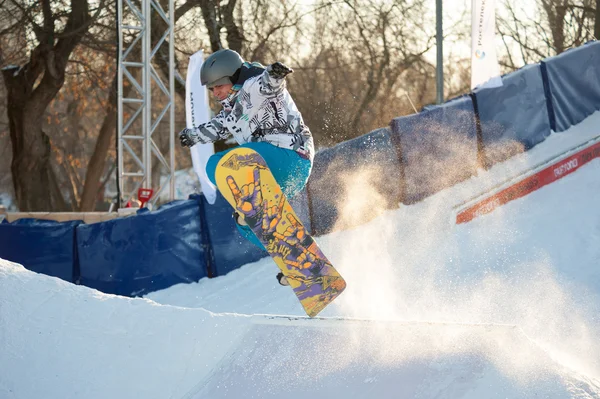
{"points": [[345, 85], [98, 160], [219, 15], [56, 30], [556, 26]]}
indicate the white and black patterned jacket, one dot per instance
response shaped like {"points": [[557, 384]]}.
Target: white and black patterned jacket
{"points": [[262, 110]]}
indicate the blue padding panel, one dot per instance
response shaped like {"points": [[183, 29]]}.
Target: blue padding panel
{"points": [[143, 253], [514, 117], [438, 147], [230, 250], [300, 204], [367, 168], [43, 246], [574, 84]]}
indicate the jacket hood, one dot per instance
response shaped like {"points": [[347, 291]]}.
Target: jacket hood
{"points": [[247, 70]]}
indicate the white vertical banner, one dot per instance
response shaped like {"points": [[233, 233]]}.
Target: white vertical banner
{"points": [[197, 112], [485, 70]]}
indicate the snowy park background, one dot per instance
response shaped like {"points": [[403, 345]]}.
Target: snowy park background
{"points": [[505, 306]]}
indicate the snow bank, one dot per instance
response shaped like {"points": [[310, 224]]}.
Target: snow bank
{"points": [[59, 340]]}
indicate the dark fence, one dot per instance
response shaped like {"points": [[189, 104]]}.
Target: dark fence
{"points": [[43, 246], [143, 253]]}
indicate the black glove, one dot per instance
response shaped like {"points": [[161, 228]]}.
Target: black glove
{"points": [[278, 70], [188, 137]]}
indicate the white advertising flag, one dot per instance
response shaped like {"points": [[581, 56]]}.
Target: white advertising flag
{"points": [[485, 71], [197, 112]]}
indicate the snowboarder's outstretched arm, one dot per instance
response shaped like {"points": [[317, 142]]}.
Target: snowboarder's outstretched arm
{"points": [[208, 132], [273, 78]]}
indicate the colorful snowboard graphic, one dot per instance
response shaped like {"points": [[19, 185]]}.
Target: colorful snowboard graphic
{"points": [[248, 185]]}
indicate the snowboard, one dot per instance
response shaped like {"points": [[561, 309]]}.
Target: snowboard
{"points": [[246, 182]]}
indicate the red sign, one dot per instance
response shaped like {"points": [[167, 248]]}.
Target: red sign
{"points": [[540, 179], [144, 195]]}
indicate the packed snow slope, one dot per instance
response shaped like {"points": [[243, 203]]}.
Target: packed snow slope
{"points": [[505, 306]]}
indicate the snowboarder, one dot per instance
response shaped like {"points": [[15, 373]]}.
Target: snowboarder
{"points": [[259, 112]]}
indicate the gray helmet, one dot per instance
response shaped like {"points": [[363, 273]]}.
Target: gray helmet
{"points": [[219, 66]]}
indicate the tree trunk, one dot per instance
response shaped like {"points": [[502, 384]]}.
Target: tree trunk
{"points": [[34, 180], [217, 16], [210, 15], [95, 169], [597, 22], [234, 35], [556, 11]]}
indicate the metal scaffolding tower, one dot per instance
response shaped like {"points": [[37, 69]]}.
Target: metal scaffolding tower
{"points": [[145, 102]]}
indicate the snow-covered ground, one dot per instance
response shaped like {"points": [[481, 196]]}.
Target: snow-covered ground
{"points": [[505, 306]]}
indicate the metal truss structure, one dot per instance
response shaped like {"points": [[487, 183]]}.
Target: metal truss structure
{"points": [[146, 104]]}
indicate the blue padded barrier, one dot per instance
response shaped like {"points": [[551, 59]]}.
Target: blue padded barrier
{"points": [[300, 204], [514, 117], [364, 172], [438, 147], [42, 246], [229, 249], [209, 258], [143, 253], [573, 85]]}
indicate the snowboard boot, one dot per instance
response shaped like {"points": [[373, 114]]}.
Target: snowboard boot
{"points": [[239, 220], [282, 279]]}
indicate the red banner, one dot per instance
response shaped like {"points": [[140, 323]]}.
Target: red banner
{"points": [[529, 184]]}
